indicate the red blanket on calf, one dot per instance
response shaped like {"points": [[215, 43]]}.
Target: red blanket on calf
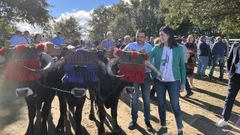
{"points": [[14, 71], [132, 72]]}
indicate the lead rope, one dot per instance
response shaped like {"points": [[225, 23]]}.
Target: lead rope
{"points": [[56, 89]]}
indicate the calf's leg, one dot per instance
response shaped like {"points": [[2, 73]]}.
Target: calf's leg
{"points": [[78, 115], [31, 115]]}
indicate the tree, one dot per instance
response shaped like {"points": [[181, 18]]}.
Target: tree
{"points": [[6, 31], [124, 18], [207, 15], [69, 28], [223, 14], [101, 18], [121, 26], [123, 23], [211, 17], [149, 17], [30, 11]]}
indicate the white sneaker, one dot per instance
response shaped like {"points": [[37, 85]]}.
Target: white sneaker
{"points": [[221, 123]]}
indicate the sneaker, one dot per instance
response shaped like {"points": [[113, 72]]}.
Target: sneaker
{"points": [[148, 126], [153, 98], [188, 95], [132, 125], [161, 131], [204, 77], [221, 123], [180, 132]]}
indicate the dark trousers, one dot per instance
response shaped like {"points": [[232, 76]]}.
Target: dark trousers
{"points": [[215, 60], [153, 91], [233, 88], [187, 86]]}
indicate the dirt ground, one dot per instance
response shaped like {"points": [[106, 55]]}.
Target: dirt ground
{"points": [[200, 112]]}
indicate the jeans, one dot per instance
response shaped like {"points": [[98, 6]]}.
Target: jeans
{"points": [[233, 89], [215, 60], [173, 91], [202, 65], [145, 89]]}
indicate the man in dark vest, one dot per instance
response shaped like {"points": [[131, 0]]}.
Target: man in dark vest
{"points": [[233, 67]]}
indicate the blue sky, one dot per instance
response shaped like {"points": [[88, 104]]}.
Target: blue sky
{"points": [[62, 9], [62, 6]]}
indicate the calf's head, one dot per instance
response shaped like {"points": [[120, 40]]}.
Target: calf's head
{"points": [[132, 65], [22, 65]]}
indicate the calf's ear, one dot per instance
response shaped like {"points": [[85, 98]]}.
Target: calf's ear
{"points": [[21, 48], [40, 47]]}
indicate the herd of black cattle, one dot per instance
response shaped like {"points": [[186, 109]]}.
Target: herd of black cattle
{"points": [[47, 82]]}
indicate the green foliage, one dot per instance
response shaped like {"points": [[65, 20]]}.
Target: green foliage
{"points": [[212, 17], [124, 19], [6, 30], [149, 17], [31, 11], [206, 15], [101, 18], [69, 28], [122, 25]]}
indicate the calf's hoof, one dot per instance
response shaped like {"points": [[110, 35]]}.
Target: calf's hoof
{"points": [[101, 130], [79, 132], [44, 130], [60, 130], [30, 131], [117, 129], [92, 117]]}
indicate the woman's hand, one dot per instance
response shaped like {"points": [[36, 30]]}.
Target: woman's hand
{"points": [[159, 77], [182, 88]]}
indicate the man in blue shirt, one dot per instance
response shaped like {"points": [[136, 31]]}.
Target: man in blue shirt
{"points": [[27, 38], [58, 40], [139, 45], [109, 43], [16, 39]]}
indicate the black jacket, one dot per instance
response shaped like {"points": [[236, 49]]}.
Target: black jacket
{"points": [[233, 59], [204, 49]]}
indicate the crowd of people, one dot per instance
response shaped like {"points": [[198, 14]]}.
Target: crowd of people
{"points": [[176, 59], [201, 52], [26, 38]]}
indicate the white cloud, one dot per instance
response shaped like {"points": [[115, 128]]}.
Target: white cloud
{"points": [[82, 17], [127, 1], [23, 26]]}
